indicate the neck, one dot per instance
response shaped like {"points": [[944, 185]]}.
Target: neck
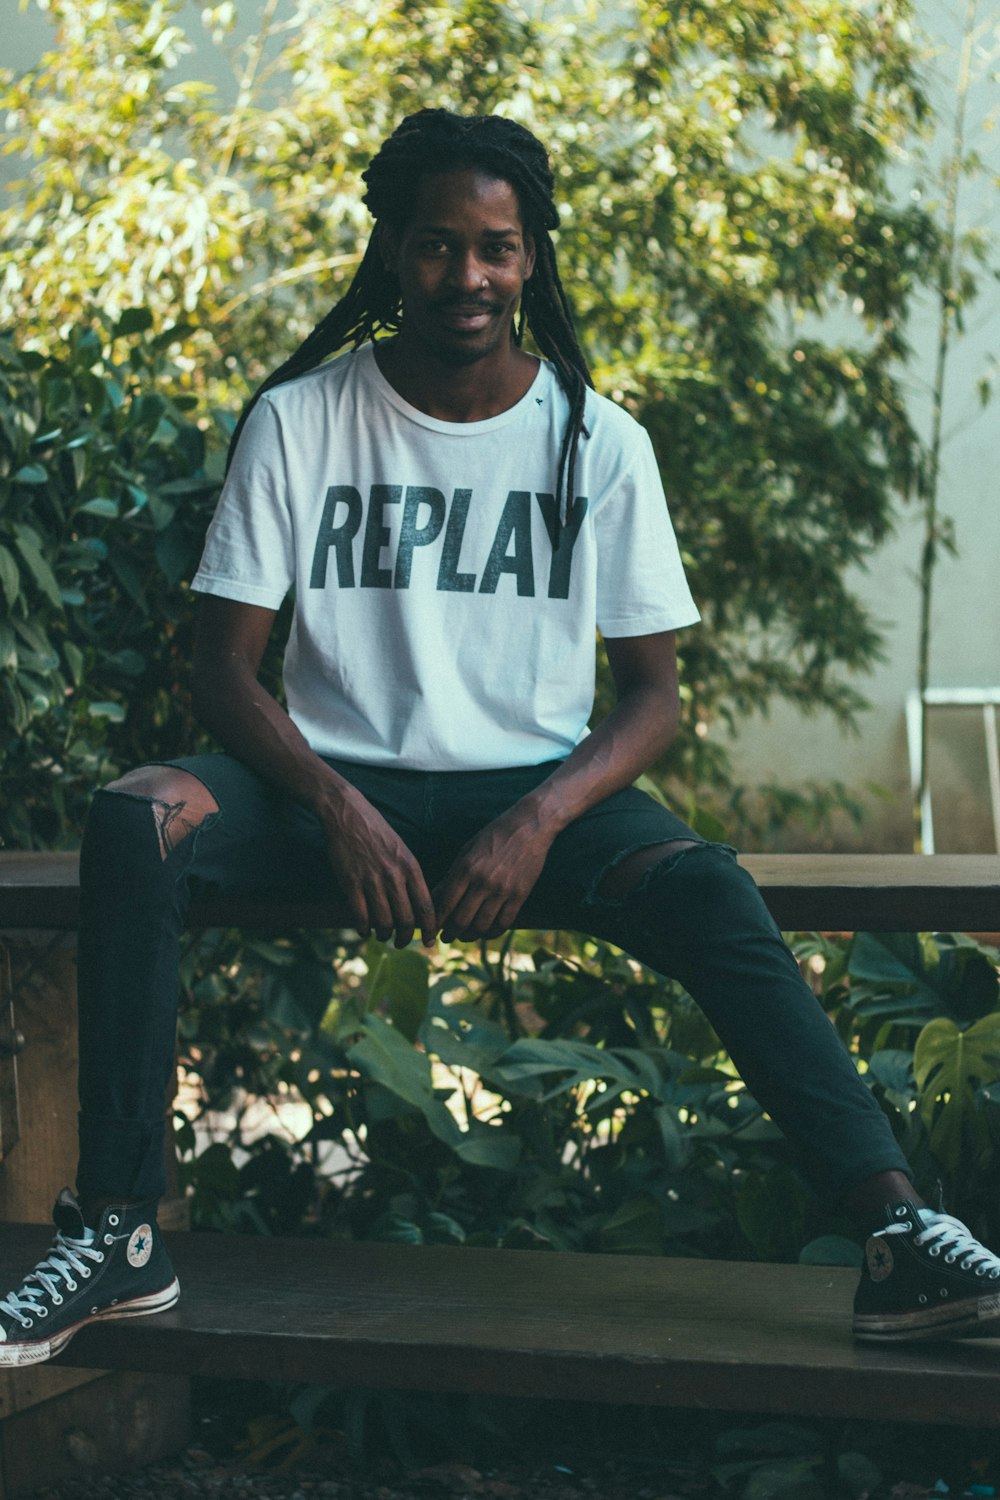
{"points": [[456, 393]]}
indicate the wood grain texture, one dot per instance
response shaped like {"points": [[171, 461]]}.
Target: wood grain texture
{"points": [[623, 1329], [841, 892]]}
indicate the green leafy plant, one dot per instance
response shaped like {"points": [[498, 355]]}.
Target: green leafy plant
{"points": [[725, 174], [105, 491]]}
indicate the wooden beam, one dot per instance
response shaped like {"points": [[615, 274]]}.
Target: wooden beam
{"points": [[840, 892]]}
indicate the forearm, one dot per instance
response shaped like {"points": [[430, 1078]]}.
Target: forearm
{"points": [[634, 734], [250, 724]]}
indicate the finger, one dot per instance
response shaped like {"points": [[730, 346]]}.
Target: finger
{"points": [[358, 908], [423, 908], [464, 922], [380, 913]]}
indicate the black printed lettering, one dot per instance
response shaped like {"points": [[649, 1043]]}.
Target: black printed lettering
{"points": [[563, 539], [410, 534], [339, 537], [377, 536], [514, 523], [450, 580]]}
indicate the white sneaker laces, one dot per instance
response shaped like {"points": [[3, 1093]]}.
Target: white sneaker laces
{"points": [[66, 1260], [942, 1233]]}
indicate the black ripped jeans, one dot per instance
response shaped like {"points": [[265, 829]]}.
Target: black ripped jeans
{"points": [[696, 916]]}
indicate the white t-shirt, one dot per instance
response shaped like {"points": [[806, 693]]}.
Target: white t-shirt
{"points": [[435, 626]]}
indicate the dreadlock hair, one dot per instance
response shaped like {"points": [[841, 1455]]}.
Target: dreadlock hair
{"points": [[435, 141]]}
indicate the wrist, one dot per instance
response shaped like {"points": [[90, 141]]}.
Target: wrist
{"points": [[328, 794], [546, 810]]}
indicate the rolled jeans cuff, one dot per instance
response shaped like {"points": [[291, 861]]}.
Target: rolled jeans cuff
{"points": [[121, 1158]]}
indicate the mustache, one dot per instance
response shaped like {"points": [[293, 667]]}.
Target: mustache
{"points": [[465, 304]]}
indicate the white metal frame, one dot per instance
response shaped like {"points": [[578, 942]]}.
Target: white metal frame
{"points": [[988, 699]]}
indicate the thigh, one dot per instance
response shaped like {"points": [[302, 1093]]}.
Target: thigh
{"points": [[261, 839], [568, 892]]}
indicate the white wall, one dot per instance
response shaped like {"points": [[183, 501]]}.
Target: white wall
{"points": [[966, 614]]}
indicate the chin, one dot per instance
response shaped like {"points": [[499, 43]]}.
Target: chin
{"points": [[458, 353]]}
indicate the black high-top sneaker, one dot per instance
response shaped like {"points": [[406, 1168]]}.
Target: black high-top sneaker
{"points": [[119, 1270], [926, 1277]]}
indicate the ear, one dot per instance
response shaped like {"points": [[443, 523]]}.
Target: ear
{"points": [[388, 246]]}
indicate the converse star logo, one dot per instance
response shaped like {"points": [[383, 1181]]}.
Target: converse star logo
{"points": [[879, 1258], [140, 1246]]}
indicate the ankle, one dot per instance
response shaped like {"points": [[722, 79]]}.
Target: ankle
{"points": [[866, 1201], [93, 1208]]}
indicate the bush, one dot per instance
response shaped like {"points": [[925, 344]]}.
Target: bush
{"points": [[106, 487], [560, 1097]]}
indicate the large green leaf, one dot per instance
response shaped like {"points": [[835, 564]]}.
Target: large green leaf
{"points": [[399, 976], [10, 576], [949, 1065], [384, 1055]]}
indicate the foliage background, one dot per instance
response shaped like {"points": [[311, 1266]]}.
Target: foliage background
{"points": [[726, 174]]}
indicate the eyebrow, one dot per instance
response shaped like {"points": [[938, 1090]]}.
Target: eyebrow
{"points": [[489, 234]]}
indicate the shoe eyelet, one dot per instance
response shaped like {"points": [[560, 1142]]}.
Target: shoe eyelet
{"points": [[922, 1298], [71, 1286], [100, 1257], [85, 1273], [29, 1323], [995, 1275], [950, 1260], [935, 1250], [109, 1239], [901, 1211], [980, 1270], [93, 1312], [57, 1300], [113, 1219], [43, 1312], [942, 1291]]}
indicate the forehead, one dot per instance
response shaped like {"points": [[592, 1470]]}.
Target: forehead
{"points": [[442, 198]]}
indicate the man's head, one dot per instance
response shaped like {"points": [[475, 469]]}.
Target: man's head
{"points": [[489, 164], [461, 258]]}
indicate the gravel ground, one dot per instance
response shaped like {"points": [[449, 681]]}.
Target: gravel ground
{"points": [[572, 1453]]}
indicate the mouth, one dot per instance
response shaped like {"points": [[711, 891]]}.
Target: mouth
{"points": [[467, 318]]}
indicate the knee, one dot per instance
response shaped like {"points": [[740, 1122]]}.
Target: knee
{"points": [[176, 801], [706, 896], [626, 874]]}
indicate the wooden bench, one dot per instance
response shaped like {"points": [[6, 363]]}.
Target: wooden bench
{"points": [[623, 1329], [661, 1332], [833, 892]]}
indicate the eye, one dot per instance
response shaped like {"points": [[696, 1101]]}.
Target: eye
{"points": [[499, 249]]}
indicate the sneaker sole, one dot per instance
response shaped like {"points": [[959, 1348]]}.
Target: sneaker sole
{"points": [[39, 1350], [965, 1319]]}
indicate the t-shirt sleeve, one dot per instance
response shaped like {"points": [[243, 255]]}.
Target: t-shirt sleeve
{"points": [[249, 549], [641, 586]]}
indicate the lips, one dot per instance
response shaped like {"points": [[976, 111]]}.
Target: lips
{"points": [[467, 317]]}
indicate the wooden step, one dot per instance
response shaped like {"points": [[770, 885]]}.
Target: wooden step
{"points": [[623, 1329]]}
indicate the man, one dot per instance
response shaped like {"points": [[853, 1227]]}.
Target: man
{"points": [[456, 517]]}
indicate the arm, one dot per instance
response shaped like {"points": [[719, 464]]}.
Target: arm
{"points": [[486, 887], [381, 880]]}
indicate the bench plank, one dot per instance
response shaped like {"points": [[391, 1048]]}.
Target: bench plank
{"points": [[625, 1329], [839, 892]]}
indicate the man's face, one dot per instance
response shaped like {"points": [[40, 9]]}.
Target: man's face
{"points": [[462, 261]]}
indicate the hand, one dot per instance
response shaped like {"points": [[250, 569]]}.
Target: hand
{"points": [[383, 884], [490, 880]]}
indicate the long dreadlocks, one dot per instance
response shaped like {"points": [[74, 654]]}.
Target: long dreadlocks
{"points": [[435, 140]]}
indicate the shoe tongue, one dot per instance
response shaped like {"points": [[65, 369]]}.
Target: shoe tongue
{"points": [[69, 1219]]}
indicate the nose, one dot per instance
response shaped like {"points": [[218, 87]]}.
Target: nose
{"points": [[467, 273]]}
